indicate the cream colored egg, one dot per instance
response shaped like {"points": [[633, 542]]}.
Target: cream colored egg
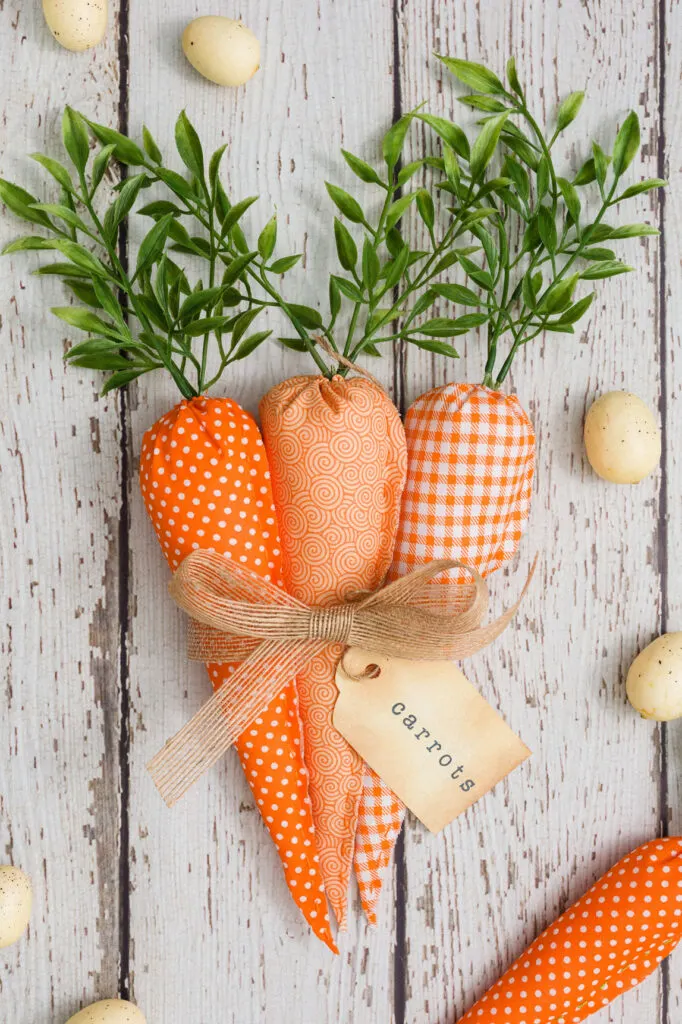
{"points": [[622, 438], [109, 1011], [16, 897], [224, 51], [76, 24], [654, 682]]}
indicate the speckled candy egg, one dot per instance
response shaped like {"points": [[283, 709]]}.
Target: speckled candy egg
{"points": [[109, 1011], [76, 24], [654, 683], [222, 50], [16, 897], [622, 438]]}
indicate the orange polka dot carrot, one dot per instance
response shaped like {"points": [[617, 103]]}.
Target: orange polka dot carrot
{"points": [[336, 449], [615, 936], [471, 458], [205, 482]]}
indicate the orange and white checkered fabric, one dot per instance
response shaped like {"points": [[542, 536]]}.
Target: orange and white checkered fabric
{"points": [[471, 459]]}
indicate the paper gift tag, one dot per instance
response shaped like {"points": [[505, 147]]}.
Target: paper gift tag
{"points": [[424, 729]]}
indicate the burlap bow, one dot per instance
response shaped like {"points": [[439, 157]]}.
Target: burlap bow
{"points": [[238, 616]]}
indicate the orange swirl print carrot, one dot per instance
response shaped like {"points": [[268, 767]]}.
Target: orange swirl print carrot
{"points": [[206, 484], [336, 449], [613, 938], [471, 460]]}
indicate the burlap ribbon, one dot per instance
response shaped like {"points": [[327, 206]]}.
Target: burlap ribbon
{"points": [[237, 616]]}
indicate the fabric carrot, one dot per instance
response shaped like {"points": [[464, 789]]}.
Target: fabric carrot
{"points": [[336, 449], [605, 944], [205, 482], [471, 458]]}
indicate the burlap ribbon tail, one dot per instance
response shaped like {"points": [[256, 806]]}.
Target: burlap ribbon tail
{"points": [[237, 616]]}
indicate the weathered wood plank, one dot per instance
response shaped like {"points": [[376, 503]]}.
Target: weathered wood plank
{"points": [[669, 315], [215, 932], [59, 511], [478, 893]]}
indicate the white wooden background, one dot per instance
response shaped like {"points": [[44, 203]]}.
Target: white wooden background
{"points": [[187, 911]]}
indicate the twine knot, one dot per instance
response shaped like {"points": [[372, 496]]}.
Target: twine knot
{"points": [[333, 625]]}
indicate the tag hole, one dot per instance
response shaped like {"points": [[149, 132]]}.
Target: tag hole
{"points": [[372, 671]]}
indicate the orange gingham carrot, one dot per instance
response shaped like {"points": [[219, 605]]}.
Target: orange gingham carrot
{"points": [[602, 946], [336, 449], [471, 457], [206, 484]]}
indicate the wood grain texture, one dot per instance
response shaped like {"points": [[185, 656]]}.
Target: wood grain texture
{"points": [[60, 471], [200, 914], [479, 892]]}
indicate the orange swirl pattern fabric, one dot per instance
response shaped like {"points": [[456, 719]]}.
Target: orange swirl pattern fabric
{"points": [[471, 459], [605, 944], [206, 484], [336, 449]]}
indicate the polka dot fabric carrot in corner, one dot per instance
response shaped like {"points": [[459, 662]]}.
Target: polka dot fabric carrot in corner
{"points": [[606, 943], [206, 484]]}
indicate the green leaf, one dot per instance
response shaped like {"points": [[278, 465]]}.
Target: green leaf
{"points": [[237, 266], [547, 229], [153, 243], [476, 76], [458, 293], [477, 215], [267, 239], [607, 268], [513, 78], [578, 310], [530, 287], [626, 145], [485, 145], [150, 147], [397, 267], [363, 170], [120, 379], [441, 327], [522, 148], [370, 265], [334, 298], [84, 292], [631, 231], [601, 163], [347, 288], [21, 202], [83, 319], [235, 213], [125, 150], [99, 166], [82, 257], [281, 266], [214, 166], [408, 171], [295, 344], [451, 167], [346, 204], [159, 208], [559, 295], [598, 254], [249, 344], [394, 139], [76, 139], [205, 325], [122, 204], [449, 132], [28, 243], [519, 175], [642, 186], [426, 208], [204, 298], [345, 245], [306, 315], [189, 146], [57, 170], [570, 198], [487, 103], [377, 319], [397, 209], [441, 348], [242, 324], [586, 174], [569, 110]]}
